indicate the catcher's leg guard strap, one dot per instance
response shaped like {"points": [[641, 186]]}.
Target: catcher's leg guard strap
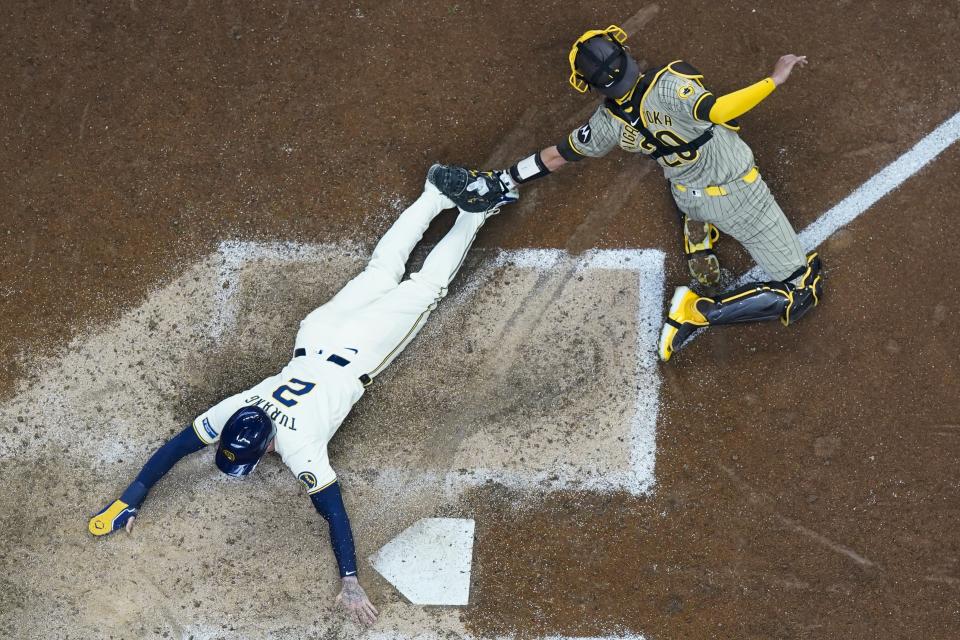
{"points": [[806, 292], [752, 303], [788, 301]]}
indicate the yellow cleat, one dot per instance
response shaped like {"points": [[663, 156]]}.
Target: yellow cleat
{"points": [[114, 517], [682, 320]]}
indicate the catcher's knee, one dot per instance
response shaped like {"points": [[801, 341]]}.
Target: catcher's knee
{"points": [[805, 289], [699, 239]]}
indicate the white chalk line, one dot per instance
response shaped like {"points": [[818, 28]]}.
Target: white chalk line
{"points": [[200, 632], [812, 237], [387, 635], [867, 194], [235, 254], [639, 478]]}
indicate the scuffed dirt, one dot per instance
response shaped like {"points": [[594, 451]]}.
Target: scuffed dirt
{"points": [[806, 477]]}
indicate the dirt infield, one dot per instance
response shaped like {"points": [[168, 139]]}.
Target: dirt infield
{"points": [[806, 484]]}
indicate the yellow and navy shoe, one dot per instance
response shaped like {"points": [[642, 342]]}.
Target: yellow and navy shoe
{"points": [[698, 241], [114, 517], [682, 320]]}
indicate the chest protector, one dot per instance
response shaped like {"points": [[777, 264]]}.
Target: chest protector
{"points": [[629, 112]]}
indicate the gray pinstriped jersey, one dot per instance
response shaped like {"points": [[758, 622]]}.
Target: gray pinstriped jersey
{"points": [[668, 112]]}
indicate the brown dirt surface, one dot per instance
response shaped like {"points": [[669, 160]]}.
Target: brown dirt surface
{"points": [[806, 477], [809, 498]]}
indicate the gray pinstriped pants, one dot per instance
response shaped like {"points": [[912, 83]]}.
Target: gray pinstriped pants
{"points": [[750, 214]]}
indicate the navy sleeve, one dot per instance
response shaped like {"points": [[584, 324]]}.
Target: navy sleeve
{"points": [[182, 444], [329, 503], [568, 152]]}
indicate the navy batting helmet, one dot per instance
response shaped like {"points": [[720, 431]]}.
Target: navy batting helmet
{"points": [[244, 440], [598, 60]]}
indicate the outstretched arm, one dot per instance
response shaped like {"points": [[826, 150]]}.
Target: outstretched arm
{"points": [[121, 513], [538, 165], [329, 503], [733, 105], [598, 137]]}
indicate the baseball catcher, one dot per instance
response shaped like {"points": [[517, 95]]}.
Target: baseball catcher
{"points": [[667, 113], [340, 348]]}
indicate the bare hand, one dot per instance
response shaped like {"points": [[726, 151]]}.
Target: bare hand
{"points": [[129, 525], [781, 70], [355, 602]]}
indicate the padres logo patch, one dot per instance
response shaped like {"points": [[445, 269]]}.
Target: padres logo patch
{"points": [[308, 480], [685, 91]]}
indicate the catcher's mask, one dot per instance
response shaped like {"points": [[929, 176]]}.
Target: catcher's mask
{"points": [[244, 440], [599, 60]]}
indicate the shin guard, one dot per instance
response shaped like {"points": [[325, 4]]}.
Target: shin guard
{"points": [[752, 303], [789, 300]]}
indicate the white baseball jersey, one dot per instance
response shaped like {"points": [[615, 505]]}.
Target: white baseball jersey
{"points": [[361, 330], [307, 403]]}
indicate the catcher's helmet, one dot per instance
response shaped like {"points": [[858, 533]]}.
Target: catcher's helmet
{"points": [[598, 59], [244, 440]]}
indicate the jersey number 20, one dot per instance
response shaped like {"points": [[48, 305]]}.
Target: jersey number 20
{"points": [[301, 388], [671, 139]]}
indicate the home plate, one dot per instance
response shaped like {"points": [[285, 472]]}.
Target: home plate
{"points": [[429, 562]]}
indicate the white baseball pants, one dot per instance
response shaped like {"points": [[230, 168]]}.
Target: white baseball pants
{"points": [[372, 319]]}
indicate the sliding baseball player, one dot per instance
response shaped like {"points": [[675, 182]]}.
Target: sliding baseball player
{"points": [[340, 348]]}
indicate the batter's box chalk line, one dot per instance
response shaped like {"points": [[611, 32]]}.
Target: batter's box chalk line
{"points": [[382, 635], [640, 434], [867, 194]]}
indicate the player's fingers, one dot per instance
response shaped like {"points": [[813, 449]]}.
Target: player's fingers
{"points": [[373, 608], [371, 613], [129, 526]]}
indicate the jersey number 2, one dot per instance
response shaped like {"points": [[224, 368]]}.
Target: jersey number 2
{"points": [[302, 389]]}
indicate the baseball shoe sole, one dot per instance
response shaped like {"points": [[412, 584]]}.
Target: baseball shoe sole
{"points": [[114, 517]]}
